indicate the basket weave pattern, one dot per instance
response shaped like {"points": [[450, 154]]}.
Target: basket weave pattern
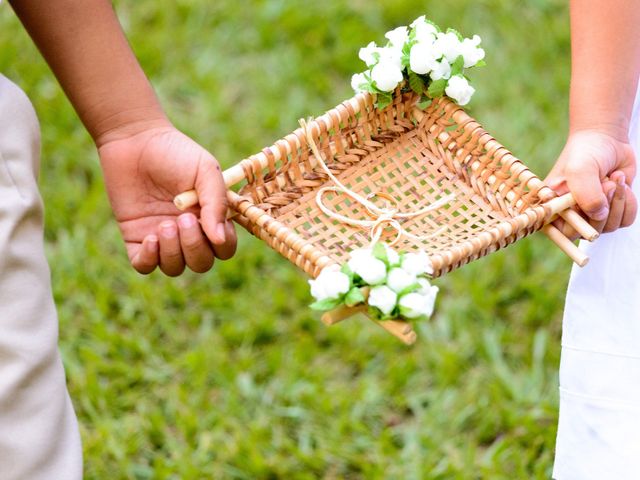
{"points": [[414, 156]]}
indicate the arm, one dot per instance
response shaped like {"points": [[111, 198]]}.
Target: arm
{"points": [[597, 164], [145, 160]]}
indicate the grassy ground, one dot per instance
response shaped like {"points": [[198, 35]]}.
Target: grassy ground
{"points": [[216, 376]]}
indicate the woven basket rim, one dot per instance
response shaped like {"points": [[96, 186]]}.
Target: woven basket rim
{"points": [[529, 212]]}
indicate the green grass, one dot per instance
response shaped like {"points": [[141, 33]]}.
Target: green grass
{"points": [[216, 376]]}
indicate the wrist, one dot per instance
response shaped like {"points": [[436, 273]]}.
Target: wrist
{"points": [[129, 123], [597, 107], [613, 124]]}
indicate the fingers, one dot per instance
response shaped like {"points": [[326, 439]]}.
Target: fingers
{"points": [[585, 185], [145, 258], [185, 244], [228, 249], [631, 208], [618, 197], [171, 259], [609, 188], [212, 194], [196, 249]]}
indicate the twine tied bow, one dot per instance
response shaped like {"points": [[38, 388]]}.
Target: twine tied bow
{"points": [[382, 217]]}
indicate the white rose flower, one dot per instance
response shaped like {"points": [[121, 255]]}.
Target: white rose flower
{"points": [[383, 298], [425, 31], [367, 267], [442, 70], [471, 52], [450, 46], [459, 89], [418, 304], [392, 55], [330, 284], [412, 305], [392, 256], [417, 263], [430, 300], [399, 279], [425, 286], [366, 54], [397, 36], [420, 19], [429, 292], [357, 80], [387, 75], [422, 58]]}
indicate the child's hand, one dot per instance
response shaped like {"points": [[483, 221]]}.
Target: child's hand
{"points": [[143, 172], [597, 168]]}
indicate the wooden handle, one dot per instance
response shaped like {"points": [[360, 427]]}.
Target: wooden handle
{"points": [[399, 329], [341, 313], [580, 225], [566, 245]]}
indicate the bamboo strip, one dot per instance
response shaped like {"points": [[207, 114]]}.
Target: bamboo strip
{"points": [[341, 313], [566, 245], [399, 329], [580, 225]]}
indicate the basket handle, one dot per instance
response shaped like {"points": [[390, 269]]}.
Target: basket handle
{"points": [[559, 206], [189, 198], [562, 206]]}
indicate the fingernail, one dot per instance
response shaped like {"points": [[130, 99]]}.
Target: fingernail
{"points": [[220, 232], [601, 214], [187, 221]]}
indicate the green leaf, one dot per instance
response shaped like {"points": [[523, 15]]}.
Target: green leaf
{"points": [[381, 253], [436, 89], [326, 304], [347, 271], [416, 83], [405, 61], [458, 66], [481, 63], [384, 100], [424, 102], [414, 287], [374, 313], [353, 297]]}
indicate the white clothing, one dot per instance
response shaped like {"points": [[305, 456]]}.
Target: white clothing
{"points": [[599, 426]]}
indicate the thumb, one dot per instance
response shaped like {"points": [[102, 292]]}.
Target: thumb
{"points": [[212, 196], [585, 185]]}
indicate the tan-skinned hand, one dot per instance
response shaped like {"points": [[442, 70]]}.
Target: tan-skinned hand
{"points": [[598, 169], [143, 172]]}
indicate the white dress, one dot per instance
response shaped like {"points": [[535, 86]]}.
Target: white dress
{"points": [[599, 426]]}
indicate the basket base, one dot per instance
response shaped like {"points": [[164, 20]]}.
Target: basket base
{"points": [[398, 328]]}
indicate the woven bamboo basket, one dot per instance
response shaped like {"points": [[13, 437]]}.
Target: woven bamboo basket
{"points": [[406, 155]]}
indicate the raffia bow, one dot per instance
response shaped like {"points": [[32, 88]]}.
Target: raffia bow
{"points": [[382, 217]]}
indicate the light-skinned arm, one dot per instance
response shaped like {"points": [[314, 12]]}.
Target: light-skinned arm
{"points": [[597, 164], [146, 161]]}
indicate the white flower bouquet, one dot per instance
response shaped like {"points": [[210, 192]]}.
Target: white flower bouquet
{"points": [[423, 58], [394, 286]]}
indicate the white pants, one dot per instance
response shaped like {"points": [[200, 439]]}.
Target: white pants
{"points": [[39, 436], [599, 427]]}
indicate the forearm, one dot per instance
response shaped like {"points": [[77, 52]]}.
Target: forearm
{"points": [[84, 45], [605, 47]]}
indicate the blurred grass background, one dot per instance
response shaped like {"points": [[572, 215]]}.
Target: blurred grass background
{"points": [[216, 376]]}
